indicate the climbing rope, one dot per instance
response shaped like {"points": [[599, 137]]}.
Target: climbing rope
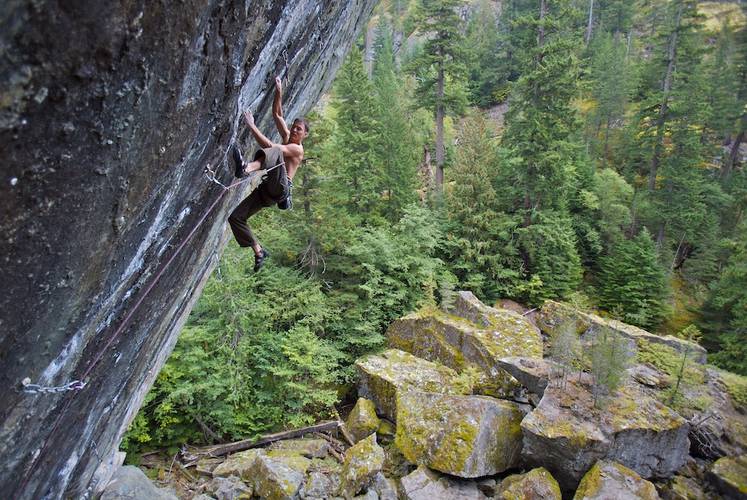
{"points": [[77, 385]]}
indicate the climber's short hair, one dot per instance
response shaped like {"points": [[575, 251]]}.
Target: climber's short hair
{"points": [[305, 123]]}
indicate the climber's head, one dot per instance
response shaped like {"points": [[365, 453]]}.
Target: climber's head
{"points": [[298, 131]]}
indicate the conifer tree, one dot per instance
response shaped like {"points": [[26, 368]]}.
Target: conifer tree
{"points": [[479, 241], [632, 281], [395, 146], [440, 68]]}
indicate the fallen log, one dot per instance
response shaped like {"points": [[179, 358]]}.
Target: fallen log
{"points": [[218, 450]]}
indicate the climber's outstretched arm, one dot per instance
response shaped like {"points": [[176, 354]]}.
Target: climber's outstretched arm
{"points": [[261, 139], [277, 111]]}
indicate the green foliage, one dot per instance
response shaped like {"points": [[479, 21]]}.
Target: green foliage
{"points": [[550, 249], [479, 241], [632, 281], [565, 348], [610, 359]]}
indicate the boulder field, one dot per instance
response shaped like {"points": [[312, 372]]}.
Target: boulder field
{"points": [[463, 405]]}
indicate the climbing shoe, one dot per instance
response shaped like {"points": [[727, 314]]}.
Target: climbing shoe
{"points": [[259, 260], [238, 162]]}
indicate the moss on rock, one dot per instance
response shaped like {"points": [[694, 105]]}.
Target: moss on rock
{"points": [[729, 475], [466, 436], [362, 463], [473, 338], [382, 375], [611, 480], [363, 421], [537, 483]]}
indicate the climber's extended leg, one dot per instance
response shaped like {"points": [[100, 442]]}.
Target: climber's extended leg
{"points": [[241, 230]]}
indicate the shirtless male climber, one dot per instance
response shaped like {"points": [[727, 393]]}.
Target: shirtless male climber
{"points": [[276, 187]]}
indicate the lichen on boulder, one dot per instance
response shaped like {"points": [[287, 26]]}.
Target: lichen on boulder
{"points": [[362, 463], [554, 314], [424, 484], [362, 421], [382, 375], [537, 483], [465, 436], [729, 476], [238, 464], [305, 447], [472, 337], [607, 480], [567, 434], [278, 475]]}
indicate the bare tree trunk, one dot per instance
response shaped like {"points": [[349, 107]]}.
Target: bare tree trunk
{"points": [[664, 108], [541, 26], [440, 151], [732, 159], [590, 23]]}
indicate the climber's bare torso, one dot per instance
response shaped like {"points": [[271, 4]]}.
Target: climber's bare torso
{"points": [[292, 139]]}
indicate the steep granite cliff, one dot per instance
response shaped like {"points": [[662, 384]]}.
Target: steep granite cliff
{"points": [[109, 112]]}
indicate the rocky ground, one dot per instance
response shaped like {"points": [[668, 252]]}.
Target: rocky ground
{"points": [[464, 405]]}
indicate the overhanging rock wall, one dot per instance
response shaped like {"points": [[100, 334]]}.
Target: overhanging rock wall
{"points": [[109, 112]]}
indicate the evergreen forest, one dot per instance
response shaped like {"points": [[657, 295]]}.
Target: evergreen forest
{"points": [[590, 151]]}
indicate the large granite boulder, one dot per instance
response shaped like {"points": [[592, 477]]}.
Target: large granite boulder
{"points": [[567, 434], [465, 436], [554, 314], [130, 483], [729, 476], [536, 484], [472, 336], [424, 484], [382, 376], [610, 480], [362, 421], [362, 464]]}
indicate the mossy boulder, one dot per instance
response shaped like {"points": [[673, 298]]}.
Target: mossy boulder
{"points": [[465, 436], [362, 463], [554, 314], [238, 464], [362, 421], [425, 484], [729, 476], [278, 474], [607, 480], [537, 483], [567, 434], [382, 375], [472, 336]]}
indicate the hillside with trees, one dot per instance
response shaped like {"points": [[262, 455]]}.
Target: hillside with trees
{"points": [[590, 151]]}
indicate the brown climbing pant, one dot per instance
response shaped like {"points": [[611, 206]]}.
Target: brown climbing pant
{"points": [[274, 189]]}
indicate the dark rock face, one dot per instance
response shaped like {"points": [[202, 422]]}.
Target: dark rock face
{"points": [[109, 113]]}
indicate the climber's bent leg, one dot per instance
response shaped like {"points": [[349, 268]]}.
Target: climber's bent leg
{"points": [[241, 231]]}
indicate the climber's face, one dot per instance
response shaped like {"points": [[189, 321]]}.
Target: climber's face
{"points": [[298, 132]]}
